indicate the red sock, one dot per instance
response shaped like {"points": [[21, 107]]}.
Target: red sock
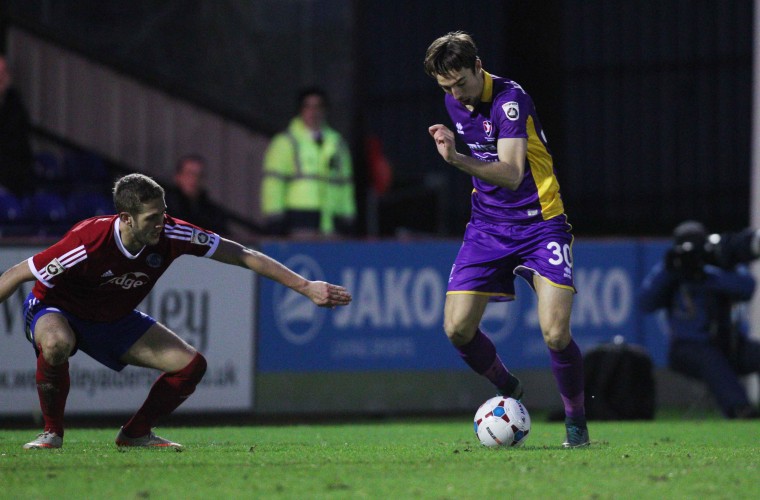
{"points": [[167, 393], [52, 388]]}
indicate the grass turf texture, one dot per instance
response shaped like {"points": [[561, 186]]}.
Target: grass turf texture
{"points": [[402, 459]]}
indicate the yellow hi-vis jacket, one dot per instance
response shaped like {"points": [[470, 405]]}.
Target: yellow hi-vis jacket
{"points": [[303, 175]]}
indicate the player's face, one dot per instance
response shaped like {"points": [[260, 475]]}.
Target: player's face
{"points": [[145, 228], [465, 85]]}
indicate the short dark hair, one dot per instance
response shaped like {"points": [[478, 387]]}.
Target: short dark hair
{"points": [[310, 91], [132, 190], [451, 52], [194, 157]]}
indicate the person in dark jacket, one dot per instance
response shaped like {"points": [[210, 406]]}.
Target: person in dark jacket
{"points": [[704, 303], [188, 199], [15, 146]]}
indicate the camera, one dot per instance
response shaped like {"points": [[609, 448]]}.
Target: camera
{"points": [[728, 250], [693, 248]]}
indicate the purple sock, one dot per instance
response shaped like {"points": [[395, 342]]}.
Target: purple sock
{"points": [[567, 367], [480, 355]]}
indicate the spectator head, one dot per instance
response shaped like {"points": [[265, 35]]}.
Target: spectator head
{"points": [[189, 175], [690, 232], [5, 75], [312, 107]]}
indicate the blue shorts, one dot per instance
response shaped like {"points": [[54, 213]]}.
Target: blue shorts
{"points": [[493, 254], [104, 342]]}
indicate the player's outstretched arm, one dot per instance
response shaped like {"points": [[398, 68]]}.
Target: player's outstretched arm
{"points": [[12, 279], [321, 293]]}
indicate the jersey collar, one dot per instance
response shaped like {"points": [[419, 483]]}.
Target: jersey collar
{"points": [[487, 94], [120, 244]]}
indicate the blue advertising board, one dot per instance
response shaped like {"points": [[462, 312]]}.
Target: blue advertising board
{"points": [[395, 321]]}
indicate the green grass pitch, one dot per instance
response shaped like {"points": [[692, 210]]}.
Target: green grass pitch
{"points": [[397, 459]]}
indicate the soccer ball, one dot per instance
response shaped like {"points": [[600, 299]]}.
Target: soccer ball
{"points": [[502, 421]]}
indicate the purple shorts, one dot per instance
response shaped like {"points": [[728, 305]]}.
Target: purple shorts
{"points": [[493, 254], [104, 342]]}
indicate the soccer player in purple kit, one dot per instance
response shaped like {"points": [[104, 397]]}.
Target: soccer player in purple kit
{"points": [[88, 285], [517, 227]]}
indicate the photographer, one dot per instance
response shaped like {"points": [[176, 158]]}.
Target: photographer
{"points": [[702, 284]]}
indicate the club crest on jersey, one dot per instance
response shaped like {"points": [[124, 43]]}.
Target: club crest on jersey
{"points": [[54, 268], [488, 127], [154, 260], [511, 110], [200, 238]]}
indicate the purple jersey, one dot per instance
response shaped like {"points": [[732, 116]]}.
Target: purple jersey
{"points": [[506, 111]]}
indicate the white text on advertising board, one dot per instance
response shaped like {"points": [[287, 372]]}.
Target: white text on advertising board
{"points": [[392, 297]]}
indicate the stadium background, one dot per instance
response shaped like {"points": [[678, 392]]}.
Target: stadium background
{"points": [[648, 107]]}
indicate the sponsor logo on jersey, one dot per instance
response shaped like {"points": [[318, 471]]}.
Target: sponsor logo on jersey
{"points": [[482, 147], [511, 110], [54, 268], [128, 281], [200, 238], [154, 260]]}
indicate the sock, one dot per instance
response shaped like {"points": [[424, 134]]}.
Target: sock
{"points": [[167, 393], [52, 388], [480, 355], [567, 367]]}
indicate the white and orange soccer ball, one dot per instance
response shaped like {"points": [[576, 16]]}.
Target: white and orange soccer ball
{"points": [[502, 421]]}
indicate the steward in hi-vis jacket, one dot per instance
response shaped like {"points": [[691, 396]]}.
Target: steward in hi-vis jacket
{"points": [[308, 176]]}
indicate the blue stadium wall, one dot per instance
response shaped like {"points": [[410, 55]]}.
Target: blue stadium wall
{"points": [[387, 352]]}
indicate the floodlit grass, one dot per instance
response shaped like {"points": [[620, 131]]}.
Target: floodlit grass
{"points": [[395, 459]]}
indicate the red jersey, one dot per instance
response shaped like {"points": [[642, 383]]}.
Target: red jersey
{"points": [[90, 274]]}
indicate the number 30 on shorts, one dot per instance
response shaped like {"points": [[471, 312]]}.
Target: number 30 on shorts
{"points": [[562, 252]]}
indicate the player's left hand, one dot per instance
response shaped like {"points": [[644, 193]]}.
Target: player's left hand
{"points": [[326, 294]]}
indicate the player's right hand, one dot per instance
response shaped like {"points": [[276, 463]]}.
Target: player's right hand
{"points": [[326, 294], [444, 141]]}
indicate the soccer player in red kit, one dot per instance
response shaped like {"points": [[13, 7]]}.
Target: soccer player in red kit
{"points": [[88, 285]]}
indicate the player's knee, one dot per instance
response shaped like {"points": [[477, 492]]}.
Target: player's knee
{"points": [[55, 349], [196, 369], [458, 333], [557, 340], [189, 377]]}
